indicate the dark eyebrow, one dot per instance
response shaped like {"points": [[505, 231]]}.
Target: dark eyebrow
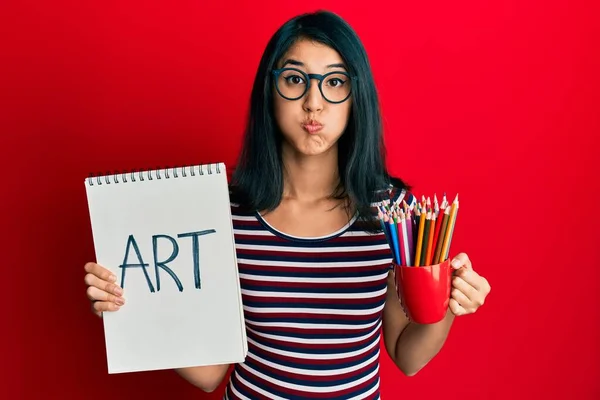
{"points": [[301, 64], [293, 62]]}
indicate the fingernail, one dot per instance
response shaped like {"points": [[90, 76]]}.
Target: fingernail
{"points": [[118, 291], [120, 301], [455, 264], [112, 278]]}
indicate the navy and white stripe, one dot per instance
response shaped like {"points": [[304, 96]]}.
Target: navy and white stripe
{"points": [[313, 309]]}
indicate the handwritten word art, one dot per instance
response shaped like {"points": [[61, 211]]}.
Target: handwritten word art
{"points": [[156, 239]]}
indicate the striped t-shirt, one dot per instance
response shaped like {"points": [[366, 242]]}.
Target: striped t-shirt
{"points": [[313, 310]]}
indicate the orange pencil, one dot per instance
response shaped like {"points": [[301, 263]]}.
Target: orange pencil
{"points": [[419, 246], [429, 253]]}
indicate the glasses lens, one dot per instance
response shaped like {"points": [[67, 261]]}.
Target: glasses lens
{"points": [[291, 84], [336, 87]]}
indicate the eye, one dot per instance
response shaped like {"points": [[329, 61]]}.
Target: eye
{"points": [[294, 79], [335, 82]]}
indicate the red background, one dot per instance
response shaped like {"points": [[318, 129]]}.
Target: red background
{"points": [[498, 101]]}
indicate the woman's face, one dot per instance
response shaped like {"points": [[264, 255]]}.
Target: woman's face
{"points": [[311, 125]]}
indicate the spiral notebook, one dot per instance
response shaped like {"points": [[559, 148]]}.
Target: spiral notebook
{"points": [[167, 235]]}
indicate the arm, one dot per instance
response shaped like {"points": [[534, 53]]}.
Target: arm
{"points": [[207, 378], [410, 345]]}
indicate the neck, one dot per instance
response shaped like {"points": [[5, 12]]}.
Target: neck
{"points": [[309, 178]]}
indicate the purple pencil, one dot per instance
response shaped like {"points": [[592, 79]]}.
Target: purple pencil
{"points": [[409, 233], [416, 219]]}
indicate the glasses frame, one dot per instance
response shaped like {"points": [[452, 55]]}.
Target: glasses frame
{"points": [[308, 78]]}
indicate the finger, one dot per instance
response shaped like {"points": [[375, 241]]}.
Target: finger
{"points": [[461, 260], [465, 288], [97, 295], [476, 297], [461, 299], [456, 308], [471, 277], [101, 306], [113, 288], [100, 272], [98, 313]]}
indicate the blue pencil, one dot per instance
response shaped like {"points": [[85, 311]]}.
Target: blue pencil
{"points": [[384, 226], [394, 237]]}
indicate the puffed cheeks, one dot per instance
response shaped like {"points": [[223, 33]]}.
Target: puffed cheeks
{"points": [[469, 289]]}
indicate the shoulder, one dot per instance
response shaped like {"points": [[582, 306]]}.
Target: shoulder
{"points": [[392, 195], [237, 202], [383, 197]]}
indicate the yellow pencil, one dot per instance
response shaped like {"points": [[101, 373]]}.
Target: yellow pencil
{"points": [[448, 232]]}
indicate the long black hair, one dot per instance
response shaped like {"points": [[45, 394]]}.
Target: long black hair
{"points": [[257, 182]]}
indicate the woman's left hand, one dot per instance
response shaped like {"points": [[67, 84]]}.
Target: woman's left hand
{"points": [[469, 289]]}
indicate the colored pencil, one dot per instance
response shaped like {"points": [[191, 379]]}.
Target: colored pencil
{"points": [[439, 242], [426, 229], [416, 225], [394, 237], [429, 252], [438, 225], [452, 227], [418, 233], [419, 248], [409, 236], [445, 248], [414, 230], [406, 241], [400, 239], [384, 227]]}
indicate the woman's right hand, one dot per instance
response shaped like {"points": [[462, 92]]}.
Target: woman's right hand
{"points": [[102, 290]]}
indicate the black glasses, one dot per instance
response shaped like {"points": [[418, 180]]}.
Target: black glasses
{"points": [[292, 84]]}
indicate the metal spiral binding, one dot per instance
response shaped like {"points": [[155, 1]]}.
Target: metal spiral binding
{"points": [[159, 173]]}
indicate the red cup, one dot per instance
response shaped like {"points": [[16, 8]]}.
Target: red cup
{"points": [[424, 291]]}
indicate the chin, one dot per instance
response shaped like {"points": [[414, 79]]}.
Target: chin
{"points": [[315, 147], [314, 152]]}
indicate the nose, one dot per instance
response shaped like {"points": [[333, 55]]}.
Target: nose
{"points": [[313, 100]]}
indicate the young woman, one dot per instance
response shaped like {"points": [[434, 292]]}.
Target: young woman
{"points": [[317, 286]]}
